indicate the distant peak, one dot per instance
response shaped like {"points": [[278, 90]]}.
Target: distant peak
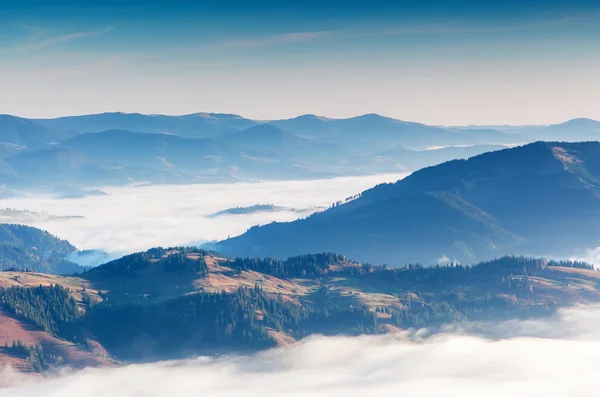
{"points": [[581, 122], [264, 127], [374, 117]]}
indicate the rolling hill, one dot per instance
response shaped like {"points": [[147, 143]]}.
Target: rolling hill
{"points": [[178, 302], [542, 197], [198, 125], [372, 132], [57, 167], [134, 149], [17, 134], [120, 148]]}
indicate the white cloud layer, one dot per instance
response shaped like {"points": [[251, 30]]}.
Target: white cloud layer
{"points": [[132, 219], [563, 360]]}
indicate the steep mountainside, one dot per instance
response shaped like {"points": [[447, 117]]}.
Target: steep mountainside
{"points": [[541, 197]]}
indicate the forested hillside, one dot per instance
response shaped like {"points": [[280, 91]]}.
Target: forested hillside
{"points": [[27, 248], [173, 302]]}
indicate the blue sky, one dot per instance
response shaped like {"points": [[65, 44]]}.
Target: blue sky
{"points": [[438, 62]]}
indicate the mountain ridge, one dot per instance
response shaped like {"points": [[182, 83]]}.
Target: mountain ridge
{"points": [[465, 195]]}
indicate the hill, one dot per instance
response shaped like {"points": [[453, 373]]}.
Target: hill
{"points": [[542, 197], [570, 131], [17, 134], [163, 158], [270, 141], [177, 302], [198, 125], [120, 148], [134, 149], [57, 167], [28, 248], [372, 132], [409, 160]]}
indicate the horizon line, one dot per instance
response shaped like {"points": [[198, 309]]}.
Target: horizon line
{"points": [[323, 118]]}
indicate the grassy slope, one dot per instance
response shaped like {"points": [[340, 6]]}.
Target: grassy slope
{"points": [[153, 284]]}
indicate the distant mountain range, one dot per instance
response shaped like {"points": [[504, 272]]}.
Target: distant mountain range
{"points": [[538, 198], [120, 148]]}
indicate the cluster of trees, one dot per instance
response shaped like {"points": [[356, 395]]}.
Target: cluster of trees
{"points": [[34, 354], [199, 321], [574, 264], [495, 271], [456, 308], [310, 265], [182, 261], [50, 308], [237, 320], [171, 259]]}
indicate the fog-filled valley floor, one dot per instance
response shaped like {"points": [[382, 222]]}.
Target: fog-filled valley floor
{"points": [[131, 219], [548, 357]]}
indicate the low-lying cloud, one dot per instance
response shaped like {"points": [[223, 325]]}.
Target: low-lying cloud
{"points": [[130, 219], [563, 359]]}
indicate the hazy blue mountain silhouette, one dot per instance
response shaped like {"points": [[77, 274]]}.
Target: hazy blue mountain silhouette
{"points": [[375, 132], [18, 134], [118, 147], [534, 198], [572, 130], [57, 166], [129, 148], [199, 125], [267, 140], [407, 160]]}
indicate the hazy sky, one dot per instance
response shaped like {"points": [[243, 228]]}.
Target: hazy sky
{"points": [[434, 61]]}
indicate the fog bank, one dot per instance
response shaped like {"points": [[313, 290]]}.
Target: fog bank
{"points": [[130, 219]]}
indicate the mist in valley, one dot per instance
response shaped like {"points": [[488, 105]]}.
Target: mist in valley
{"points": [[547, 357], [131, 219]]}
